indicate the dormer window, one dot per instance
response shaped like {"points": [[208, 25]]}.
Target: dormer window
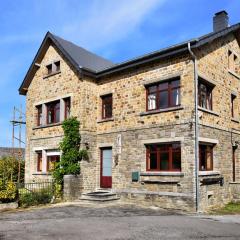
{"points": [[53, 68]]}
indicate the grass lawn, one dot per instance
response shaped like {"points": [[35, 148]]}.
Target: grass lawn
{"points": [[230, 208]]}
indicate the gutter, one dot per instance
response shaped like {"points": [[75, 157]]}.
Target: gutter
{"points": [[196, 129]]}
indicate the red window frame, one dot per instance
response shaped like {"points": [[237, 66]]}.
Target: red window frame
{"points": [[67, 107], [39, 161], [169, 88], [53, 159], [39, 115], [158, 149], [53, 107], [208, 95], [233, 97], [203, 151], [107, 103]]}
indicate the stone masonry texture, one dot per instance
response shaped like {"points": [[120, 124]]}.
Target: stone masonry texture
{"points": [[134, 128]]}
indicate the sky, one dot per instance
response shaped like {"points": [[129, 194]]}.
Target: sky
{"points": [[116, 30]]}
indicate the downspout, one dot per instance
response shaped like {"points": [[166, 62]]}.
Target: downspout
{"points": [[196, 129]]}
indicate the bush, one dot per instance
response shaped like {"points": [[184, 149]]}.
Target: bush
{"points": [[71, 153], [42, 196], [8, 191]]}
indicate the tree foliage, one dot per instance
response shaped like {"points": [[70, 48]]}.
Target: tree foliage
{"points": [[9, 169], [70, 148]]}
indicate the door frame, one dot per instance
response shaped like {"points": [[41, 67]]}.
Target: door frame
{"points": [[101, 165]]}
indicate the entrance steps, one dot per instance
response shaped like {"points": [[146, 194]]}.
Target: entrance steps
{"points": [[99, 196]]}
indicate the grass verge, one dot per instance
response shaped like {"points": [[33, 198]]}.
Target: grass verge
{"points": [[230, 208]]}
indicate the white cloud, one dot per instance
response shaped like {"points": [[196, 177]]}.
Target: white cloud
{"points": [[108, 21]]}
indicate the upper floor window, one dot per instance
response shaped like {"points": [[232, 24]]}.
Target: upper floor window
{"points": [[205, 157], [53, 112], [51, 162], [39, 161], [53, 68], [233, 98], [39, 115], [233, 61], [163, 95], [164, 157], [67, 107], [107, 106], [205, 95]]}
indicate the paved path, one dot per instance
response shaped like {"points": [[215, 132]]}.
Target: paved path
{"points": [[114, 222]]}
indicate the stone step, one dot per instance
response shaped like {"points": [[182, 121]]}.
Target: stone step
{"points": [[99, 196], [96, 199]]}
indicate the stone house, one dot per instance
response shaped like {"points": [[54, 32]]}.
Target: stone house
{"points": [[160, 129]]}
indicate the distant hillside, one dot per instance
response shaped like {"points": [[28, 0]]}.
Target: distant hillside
{"points": [[8, 151]]}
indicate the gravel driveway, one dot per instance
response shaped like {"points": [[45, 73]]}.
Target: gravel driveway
{"points": [[111, 222]]}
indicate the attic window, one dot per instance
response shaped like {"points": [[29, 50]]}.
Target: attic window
{"points": [[53, 68], [233, 61]]}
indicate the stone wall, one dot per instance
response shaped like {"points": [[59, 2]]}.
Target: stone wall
{"points": [[72, 188]]}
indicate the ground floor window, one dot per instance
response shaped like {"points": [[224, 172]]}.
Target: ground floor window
{"points": [[205, 157], [51, 162], [39, 161], [164, 157]]}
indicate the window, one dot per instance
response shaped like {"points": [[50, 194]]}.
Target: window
{"points": [[205, 157], [164, 157], [39, 161], [233, 97], [51, 162], [39, 115], [53, 68], [107, 106], [205, 95], [67, 107], [232, 61], [163, 95], [234, 163], [53, 112]]}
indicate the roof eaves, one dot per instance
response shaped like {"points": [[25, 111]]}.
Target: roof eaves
{"points": [[166, 52]]}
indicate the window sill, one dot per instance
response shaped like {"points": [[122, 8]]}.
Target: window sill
{"points": [[52, 74], [161, 174], [162, 110], [41, 173], [208, 111], [208, 173], [235, 120], [234, 74], [160, 181], [48, 125], [105, 120]]}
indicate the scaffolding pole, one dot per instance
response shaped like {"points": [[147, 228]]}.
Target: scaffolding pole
{"points": [[17, 122]]}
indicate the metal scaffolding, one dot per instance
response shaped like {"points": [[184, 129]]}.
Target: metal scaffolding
{"points": [[17, 122]]}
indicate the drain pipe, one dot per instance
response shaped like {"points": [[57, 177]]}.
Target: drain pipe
{"points": [[194, 58]]}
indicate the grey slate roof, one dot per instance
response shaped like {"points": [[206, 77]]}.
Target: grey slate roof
{"points": [[89, 63], [8, 151], [82, 57]]}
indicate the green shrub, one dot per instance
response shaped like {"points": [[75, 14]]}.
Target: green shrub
{"points": [[71, 153], [8, 191], [43, 196]]}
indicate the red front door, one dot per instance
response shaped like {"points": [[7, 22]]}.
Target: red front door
{"points": [[106, 168]]}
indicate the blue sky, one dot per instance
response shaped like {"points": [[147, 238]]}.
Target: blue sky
{"points": [[117, 30]]}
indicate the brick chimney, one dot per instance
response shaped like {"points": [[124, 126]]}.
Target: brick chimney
{"points": [[220, 21]]}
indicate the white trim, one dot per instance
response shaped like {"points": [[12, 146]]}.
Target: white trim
{"points": [[53, 153], [208, 140], [54, 99], [163, 140], [102, 145], [37, 149]]}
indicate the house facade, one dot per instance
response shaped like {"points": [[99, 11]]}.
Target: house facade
{"points": [[160, 129]]}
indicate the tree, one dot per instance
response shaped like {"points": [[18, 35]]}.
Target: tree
{"points": [[9, 169], [70, 148]]}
